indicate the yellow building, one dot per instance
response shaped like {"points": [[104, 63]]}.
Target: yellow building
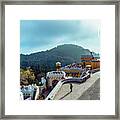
{"points": [[90, 60], [72, 72]]}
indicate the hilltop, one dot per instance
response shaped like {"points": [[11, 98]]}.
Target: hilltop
{"points": [[66, 54]]}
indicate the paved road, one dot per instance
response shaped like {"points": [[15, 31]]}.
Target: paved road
{"points": [[79, 90], [93, 93], [55, 90]]}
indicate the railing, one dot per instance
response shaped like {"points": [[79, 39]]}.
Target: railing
{"points": [[61, 82], [54, 91]]}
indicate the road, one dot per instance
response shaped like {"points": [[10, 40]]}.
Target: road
{"points": [[63, 91], [93, 93]]}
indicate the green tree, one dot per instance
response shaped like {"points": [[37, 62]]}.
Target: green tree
{"points": [[27, 76]]}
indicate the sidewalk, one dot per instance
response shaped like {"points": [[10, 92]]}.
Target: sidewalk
{"points": [[93, 93], [78, 89]]}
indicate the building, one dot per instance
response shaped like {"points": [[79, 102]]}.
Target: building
{"points": [[72, 70], [90, 61], [54, 76], [58, 66], [28, 92]]}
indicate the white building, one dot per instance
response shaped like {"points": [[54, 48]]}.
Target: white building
{"points": [[55, 76], [28, 92]]}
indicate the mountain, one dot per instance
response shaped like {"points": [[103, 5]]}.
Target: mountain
{"points": [[66, 54]]}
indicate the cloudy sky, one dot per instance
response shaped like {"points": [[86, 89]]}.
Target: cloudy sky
{"points": [[41, 35]]}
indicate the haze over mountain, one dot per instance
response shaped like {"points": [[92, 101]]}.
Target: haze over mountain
{"points": [[66, 54]]}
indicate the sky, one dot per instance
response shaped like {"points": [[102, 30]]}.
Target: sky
{"points": [[42, 35]]}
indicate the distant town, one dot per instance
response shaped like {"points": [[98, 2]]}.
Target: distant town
{"points": [[46, 85]]}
